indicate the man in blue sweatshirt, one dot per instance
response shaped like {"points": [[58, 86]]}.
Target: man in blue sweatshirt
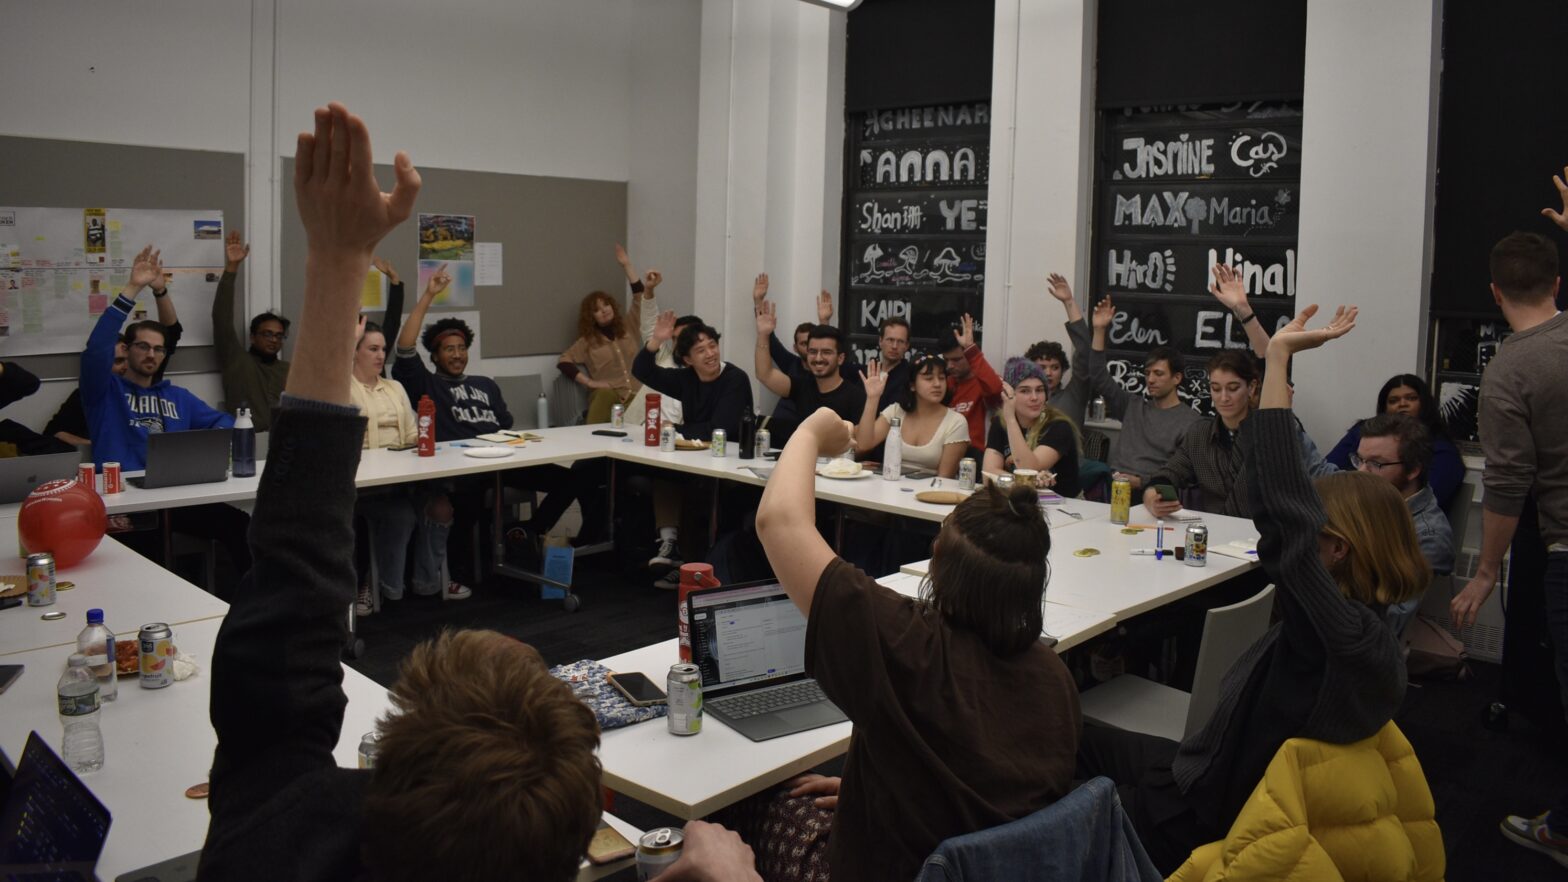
{"points": [[123, 410]]}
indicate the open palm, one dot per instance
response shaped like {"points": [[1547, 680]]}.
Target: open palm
{"points": [[1295, 337]]}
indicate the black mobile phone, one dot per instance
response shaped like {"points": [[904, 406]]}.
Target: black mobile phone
{"points": [[1166, 491], [638, 689], [609, 433], [402, 447], [8, 675]]}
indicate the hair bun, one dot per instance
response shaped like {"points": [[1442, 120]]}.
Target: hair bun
{"points": [[1020, 501]]}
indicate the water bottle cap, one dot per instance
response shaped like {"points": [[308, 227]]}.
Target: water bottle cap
{"points": [[77, 660], [95, 617]]}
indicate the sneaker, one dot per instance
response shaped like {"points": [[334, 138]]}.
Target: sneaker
{"points": [[668, 555], [1533, 833], [456, 591], [669, 581], [365, 604]]}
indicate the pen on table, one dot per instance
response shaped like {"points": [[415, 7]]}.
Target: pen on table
{"points": [[1146, 527], [1146, 552]]}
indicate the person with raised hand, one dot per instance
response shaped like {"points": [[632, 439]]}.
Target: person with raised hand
{"points": [[976, 387], [1070, 397], [713, 392], [1029, 433], [818, 382], [600, 358], [931, 434], [252, 377], [1230, 289], [1152, 424]]}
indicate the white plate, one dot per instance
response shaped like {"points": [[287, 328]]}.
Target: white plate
{"points": [[487, 452], [864, 473]]}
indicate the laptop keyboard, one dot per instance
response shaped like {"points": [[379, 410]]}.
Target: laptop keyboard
{"points": [[767, 701]]}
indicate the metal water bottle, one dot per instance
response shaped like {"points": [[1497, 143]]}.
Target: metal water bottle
{"points": [[542, 411], [427, 426], [893, 451], [243, 452], [748, 435]]}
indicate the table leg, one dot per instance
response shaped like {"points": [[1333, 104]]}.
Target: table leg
{"points": [[838, 530], [713, 517], [166, 531]]}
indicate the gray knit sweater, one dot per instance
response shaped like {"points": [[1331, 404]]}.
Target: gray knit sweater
{"points": [[1149, 434], [1329, 670]]}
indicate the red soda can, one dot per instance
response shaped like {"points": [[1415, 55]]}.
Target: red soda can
{"points": [[694, 576], [113, 481], [653, 408], [86, 474]]}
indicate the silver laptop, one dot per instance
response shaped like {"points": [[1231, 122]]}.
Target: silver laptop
{"points": [[20, 474], [749, 642], [197, 456]]}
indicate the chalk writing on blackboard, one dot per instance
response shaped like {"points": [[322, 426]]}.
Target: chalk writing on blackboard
{"points": [[913, 213]]}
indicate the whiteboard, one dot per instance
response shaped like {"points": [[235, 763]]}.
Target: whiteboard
{"points": [[60, 268]]}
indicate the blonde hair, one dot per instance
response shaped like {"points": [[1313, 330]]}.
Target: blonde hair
{"points": [[1050, 414], [1384, 564]]}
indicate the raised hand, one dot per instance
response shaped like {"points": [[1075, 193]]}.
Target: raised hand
{"points": [[621, 257], [759, 288], [1104, 313], [767, 319], [663, 329], [384, 266], [1559, 218], [359, 332], [1009, 402], [652, 279], [834, 434], [966, 331], [1228, 287], [234, 251], [874, 380], [439, 281], [824, 307], [1295, 338], [1059, 287], [340, 204], [146, 269]]}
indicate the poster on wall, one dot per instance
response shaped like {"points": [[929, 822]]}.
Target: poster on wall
{"points": [[446, 245], [61, 267]]}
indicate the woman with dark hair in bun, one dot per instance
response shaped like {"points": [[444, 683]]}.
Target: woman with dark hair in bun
{"points": [[964, 716]]}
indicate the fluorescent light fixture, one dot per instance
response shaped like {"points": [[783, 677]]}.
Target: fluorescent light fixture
{"points": [[846, 5]]}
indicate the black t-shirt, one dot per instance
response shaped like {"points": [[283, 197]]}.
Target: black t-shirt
{"points": [[1058, 435], [848, 400]]}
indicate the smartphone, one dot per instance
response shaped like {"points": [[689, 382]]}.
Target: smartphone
{"points": [[638, 689], [8, 675], [610, 433], [401, 447], [1166, 491], [608, 845]]}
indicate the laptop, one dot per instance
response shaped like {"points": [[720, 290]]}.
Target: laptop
{"points": [[174, 459], [19, 475], [749, 642], [51, 826]]}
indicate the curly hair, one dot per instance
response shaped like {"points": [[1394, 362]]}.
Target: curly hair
{"points": [[486, 767], [435, 330], [588, 327], [1048, 349]]}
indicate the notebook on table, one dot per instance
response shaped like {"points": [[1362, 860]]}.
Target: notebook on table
{"points": [[749, 642], [175, 459]]}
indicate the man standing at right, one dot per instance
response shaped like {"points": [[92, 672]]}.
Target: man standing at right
{"points": [[1524, 433], [252, 377]]}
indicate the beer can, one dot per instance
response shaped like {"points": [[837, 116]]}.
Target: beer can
{"points": [[657, 850], [1197, 545], [617, 416], [1121, 500], [369, 746], [157, 655], [87, 474], [764, 441], [40, 579], [667, 438], [113, 480], [1097, 410], [966, 474], [716, 442], [684, 688]]}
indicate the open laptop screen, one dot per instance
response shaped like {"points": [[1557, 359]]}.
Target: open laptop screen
{"points": [[746, 634], [50, 821]]}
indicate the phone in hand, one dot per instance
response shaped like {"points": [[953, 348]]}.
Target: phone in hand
{"points": [[1167, 492], [638, 689], [608, 845]]}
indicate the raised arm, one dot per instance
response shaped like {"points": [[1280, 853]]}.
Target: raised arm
{"points": [[438, 283], [1063, 293], [873, 427], [392, 318], [1229, 289], [984, 374], [225, 339], [96, 381], [664, 380], [1117, 399], [774, 379], [787, 514]]}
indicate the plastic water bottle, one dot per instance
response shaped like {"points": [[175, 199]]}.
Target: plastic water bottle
{"points": [[542, 411], [893, 451], [244, 451], [97, 643], [82, 747]]}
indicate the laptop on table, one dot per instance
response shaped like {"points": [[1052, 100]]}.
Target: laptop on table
{"points": [[749, 642], [175, 459], [19, 475]]}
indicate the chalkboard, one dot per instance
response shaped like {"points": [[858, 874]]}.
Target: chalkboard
{"points": [[915, 221], [1177, 191]]}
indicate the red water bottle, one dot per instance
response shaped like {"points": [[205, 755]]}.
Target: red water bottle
{"points": [[694, 576], [427, 426], [653, 408]]}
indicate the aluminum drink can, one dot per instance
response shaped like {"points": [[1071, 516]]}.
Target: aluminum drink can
{"points": [[87, 474], [157, 655], [1097, 410], [966, 474], [657, 850], [617, 416], [764, 441], [113, 480], [1121, 500], [369, 746], [684, 688], [716, 442], [667, 438], [40, 579], [1197, 545], [1005, 482]]}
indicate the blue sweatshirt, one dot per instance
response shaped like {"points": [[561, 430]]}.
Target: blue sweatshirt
{"points": [[466, 406], [122, 414]]}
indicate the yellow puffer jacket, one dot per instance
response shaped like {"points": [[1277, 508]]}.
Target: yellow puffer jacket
{"points": [[1331, 813]]}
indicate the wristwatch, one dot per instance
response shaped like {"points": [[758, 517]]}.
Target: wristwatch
{"points": [[161, 294]]}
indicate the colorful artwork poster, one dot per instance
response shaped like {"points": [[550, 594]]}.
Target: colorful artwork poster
{"points": [[459, 291], [446, 237], [94, 236]]}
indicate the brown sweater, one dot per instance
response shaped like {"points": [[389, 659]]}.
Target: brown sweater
{"points": [[611, 360], [1524, 426]]}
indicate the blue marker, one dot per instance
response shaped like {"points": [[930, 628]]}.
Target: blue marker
{"points": [[1159, 540]]}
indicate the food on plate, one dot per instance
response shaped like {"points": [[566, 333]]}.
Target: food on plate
{"points": [[841, 468]]}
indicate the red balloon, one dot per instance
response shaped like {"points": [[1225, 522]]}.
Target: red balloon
{"points": [[65, 518]]}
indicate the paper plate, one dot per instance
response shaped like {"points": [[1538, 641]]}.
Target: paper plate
{"points": [[487, 452]]}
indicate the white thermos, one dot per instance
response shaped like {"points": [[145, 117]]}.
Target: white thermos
{"points": [[542, 411]]}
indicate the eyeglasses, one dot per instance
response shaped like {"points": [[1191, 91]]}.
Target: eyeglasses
{"points": [[273, 335], [145, 348], [1358, 462]]}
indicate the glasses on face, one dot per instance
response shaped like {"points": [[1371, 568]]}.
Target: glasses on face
{"points": [[273, 335], [1357, 462], [144, 348]]}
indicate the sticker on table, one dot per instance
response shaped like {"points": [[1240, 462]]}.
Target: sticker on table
{"points": [[1086, 552]]}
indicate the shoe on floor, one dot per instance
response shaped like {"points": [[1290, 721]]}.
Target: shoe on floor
{"points": [[669, 581], [1533, 833], [456, 591], [365, 603], [668, 555]]}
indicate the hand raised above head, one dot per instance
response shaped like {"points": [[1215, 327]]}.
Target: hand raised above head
{"points": [[759, 288], [234, 249], [1104, 313], [767, 319], [1059, 287], [873, 379], [1294, 337], [824, 307], [1559, 218], [340, 204]]}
